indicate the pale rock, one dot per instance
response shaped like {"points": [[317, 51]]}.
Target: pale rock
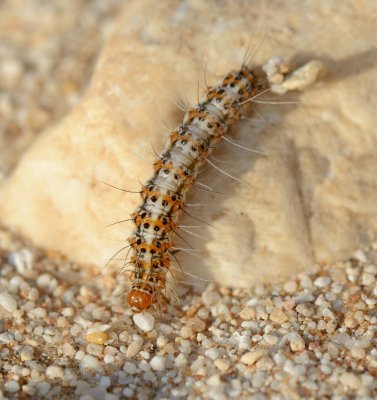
{"points": [[351, 380], [310, 198], [252, 357], [144, 321], [8, 302]]}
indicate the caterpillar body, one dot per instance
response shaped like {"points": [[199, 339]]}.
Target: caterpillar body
{"points": [[189, 147], [163, 197]]}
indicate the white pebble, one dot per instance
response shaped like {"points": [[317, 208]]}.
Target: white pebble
{"points": [[12, 386], [165, 329], [68, 350], [185, 332], [360, 256], [8, 302], [144, 321], [358, 353], [270, 339], [105, 382], [22, 261], [368, 279], [351, 380], [44, 280], [322, 281], [89, 362], [43, 388], [212, 354], [158, 363], [296, 341], [180, 361], [290, 287], [108, 359], [94, 349], [252, 357], [134, 348], [124, 336], [130, 368], [214, 380], [54, 371], [210, 298]]}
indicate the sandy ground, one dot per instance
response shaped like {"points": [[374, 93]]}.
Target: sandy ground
{"points": [[64, 332]]}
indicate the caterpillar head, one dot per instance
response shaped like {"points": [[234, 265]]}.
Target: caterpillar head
{"points": [[139, 299]]}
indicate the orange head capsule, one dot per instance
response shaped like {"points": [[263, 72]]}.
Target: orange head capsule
{"points": [[139, 301]]}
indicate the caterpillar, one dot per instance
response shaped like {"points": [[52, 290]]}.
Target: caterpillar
{"points": [[163, 197]]}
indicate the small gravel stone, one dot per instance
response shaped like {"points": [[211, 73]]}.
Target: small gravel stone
{"points": [[94, 349], [54, 371], [8, 302], [89, 362], [105, 382], [12, 386], [278, 316], [358, 353], [290, 287], [144, 321], [44, 280], [97, 337], [248, 313], [351, 380], [270, 339], [212, 354], [210, 298], [186, 332], [134, 348], [296, 341], [252, 357], [68, 350], [322, 281], [158, 363], [109, 358], [222, 364], [130, 368]]}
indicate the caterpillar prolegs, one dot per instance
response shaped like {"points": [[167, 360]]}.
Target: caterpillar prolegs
{"points": [[163, 197]]}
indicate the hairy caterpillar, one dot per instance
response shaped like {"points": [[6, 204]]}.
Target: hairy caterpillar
{"points": [[163, 197]]}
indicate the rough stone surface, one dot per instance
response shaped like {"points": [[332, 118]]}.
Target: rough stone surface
{"points": [[311, 198]]}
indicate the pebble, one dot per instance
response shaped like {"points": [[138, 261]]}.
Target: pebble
{"points": [[210, 298], [248, 313], [89, 362], [351, 380], [130, 368], [134, 348], [290, 287], [68, 350], [185, 332], [212, 354], [97, 337], [296, 341], [144, 321], [94, 349], [322, 281], [109, 358], [278, 316], [12, 386], [270, 339], [222, 364], [358, 353], [8, 302], [158, 363], [54, 371], [44, 280], [252, 357]]}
